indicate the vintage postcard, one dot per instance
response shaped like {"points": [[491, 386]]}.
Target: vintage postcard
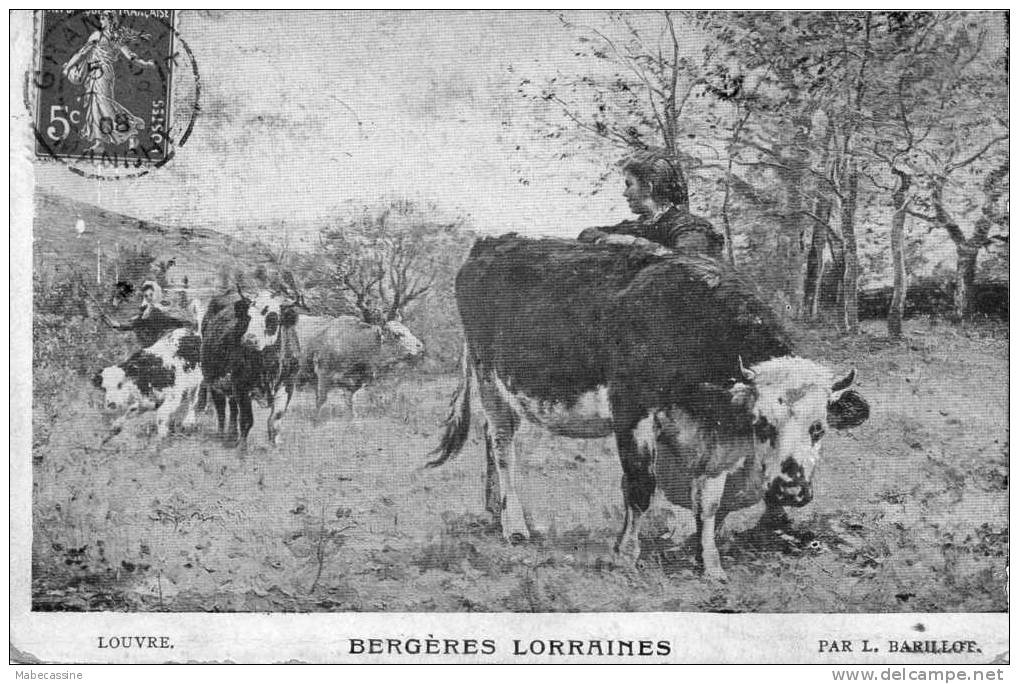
{"points": [[510, 337]]}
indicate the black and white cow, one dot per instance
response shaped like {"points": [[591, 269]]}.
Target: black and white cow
{"points": [[590, 341], [250, 351], [164, 376]]}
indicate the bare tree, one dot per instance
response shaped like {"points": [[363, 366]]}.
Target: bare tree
{"points": [[387, 259]]}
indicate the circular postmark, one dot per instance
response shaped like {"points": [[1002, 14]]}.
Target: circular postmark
{"points": [[114, 93]]}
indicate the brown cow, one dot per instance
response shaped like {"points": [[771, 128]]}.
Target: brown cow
{"points": [[346, 352]]}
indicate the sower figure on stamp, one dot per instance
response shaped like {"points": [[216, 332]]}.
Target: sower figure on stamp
{"points": [[105, 121], [657, 192], [151, 322]]}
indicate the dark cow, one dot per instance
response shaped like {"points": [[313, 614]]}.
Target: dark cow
{"points": [[250, 351], [346, 352], [164, 376], [590, 341]]}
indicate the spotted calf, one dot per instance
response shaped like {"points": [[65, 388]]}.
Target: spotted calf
{"points": [[164, 377]]}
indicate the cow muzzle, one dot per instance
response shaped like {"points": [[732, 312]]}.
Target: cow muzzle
{"points": [[789, 492]]}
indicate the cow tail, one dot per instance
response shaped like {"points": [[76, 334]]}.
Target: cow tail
{"points": [[458, 423]]}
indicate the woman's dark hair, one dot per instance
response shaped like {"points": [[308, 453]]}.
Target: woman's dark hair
{"points": [[668, 186]]}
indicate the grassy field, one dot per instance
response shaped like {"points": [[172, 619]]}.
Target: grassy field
{"points": [[909, 513]]}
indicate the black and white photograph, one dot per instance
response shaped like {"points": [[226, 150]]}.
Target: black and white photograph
{"points": [[665, 336]]}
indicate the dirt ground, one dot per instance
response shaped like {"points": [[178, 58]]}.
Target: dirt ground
{"points": [[909, 512]]}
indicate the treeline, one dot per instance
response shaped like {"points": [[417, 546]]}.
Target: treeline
{"points": [[831, 147]]}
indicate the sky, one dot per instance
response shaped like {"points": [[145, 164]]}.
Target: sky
{"points": [[307, 116]]}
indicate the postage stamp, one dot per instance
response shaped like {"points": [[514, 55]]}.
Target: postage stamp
{"points": [[511, 337], [103, 90]]}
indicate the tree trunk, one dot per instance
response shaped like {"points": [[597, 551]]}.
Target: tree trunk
{"points": [[799, 223], [967, 249], [815, 260], [966, 275], [727, 226], [831, 278], [898, 307], [851, 276], [812, 283]]}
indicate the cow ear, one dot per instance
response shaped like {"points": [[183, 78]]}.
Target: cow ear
{"points": [[97, 380], [289, 317], [849, 410], [241, 307]]}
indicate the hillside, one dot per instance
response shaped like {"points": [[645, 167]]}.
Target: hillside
{"points": [[198, 255]]}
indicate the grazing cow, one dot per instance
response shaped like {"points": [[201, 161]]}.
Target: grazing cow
{"points": [[590, 341], [164, 376], [346, 352], [250, 351]]}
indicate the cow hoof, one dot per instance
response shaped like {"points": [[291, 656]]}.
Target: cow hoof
{"points": [[517, 537], [715, 574], [628, 553], [627, 557], [774, 519]]}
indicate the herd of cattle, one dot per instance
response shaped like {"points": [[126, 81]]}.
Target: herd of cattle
{"points": [[678, 357], [245, 350]]}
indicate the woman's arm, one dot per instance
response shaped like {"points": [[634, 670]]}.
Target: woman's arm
{"points": [[126, 325], [600, 233], [133, 57], [591, 235]]}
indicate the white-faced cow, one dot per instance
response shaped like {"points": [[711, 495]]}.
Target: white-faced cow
{"points": [[164, 376], [348, 353], [590, 341], [250, 351]]}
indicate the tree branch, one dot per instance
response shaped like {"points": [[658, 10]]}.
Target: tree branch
{"points": [[969, 160]]}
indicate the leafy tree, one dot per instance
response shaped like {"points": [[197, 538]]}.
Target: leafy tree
{"points": [[939, 127], [818, 131]]}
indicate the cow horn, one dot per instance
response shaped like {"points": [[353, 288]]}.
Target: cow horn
{"points": [[747, 374], [844, 382]]}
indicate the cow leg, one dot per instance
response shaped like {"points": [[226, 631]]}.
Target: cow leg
{"points": [[493, 504], [245, 420], [278, 404], [694, 541], [321, 387], [165, 413], [707, 498], [119, 423], [191, 399], [636, 447], [774, 518], [219, 403], [501, 426], [201, 398], [353, 401], [231, 428]]}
